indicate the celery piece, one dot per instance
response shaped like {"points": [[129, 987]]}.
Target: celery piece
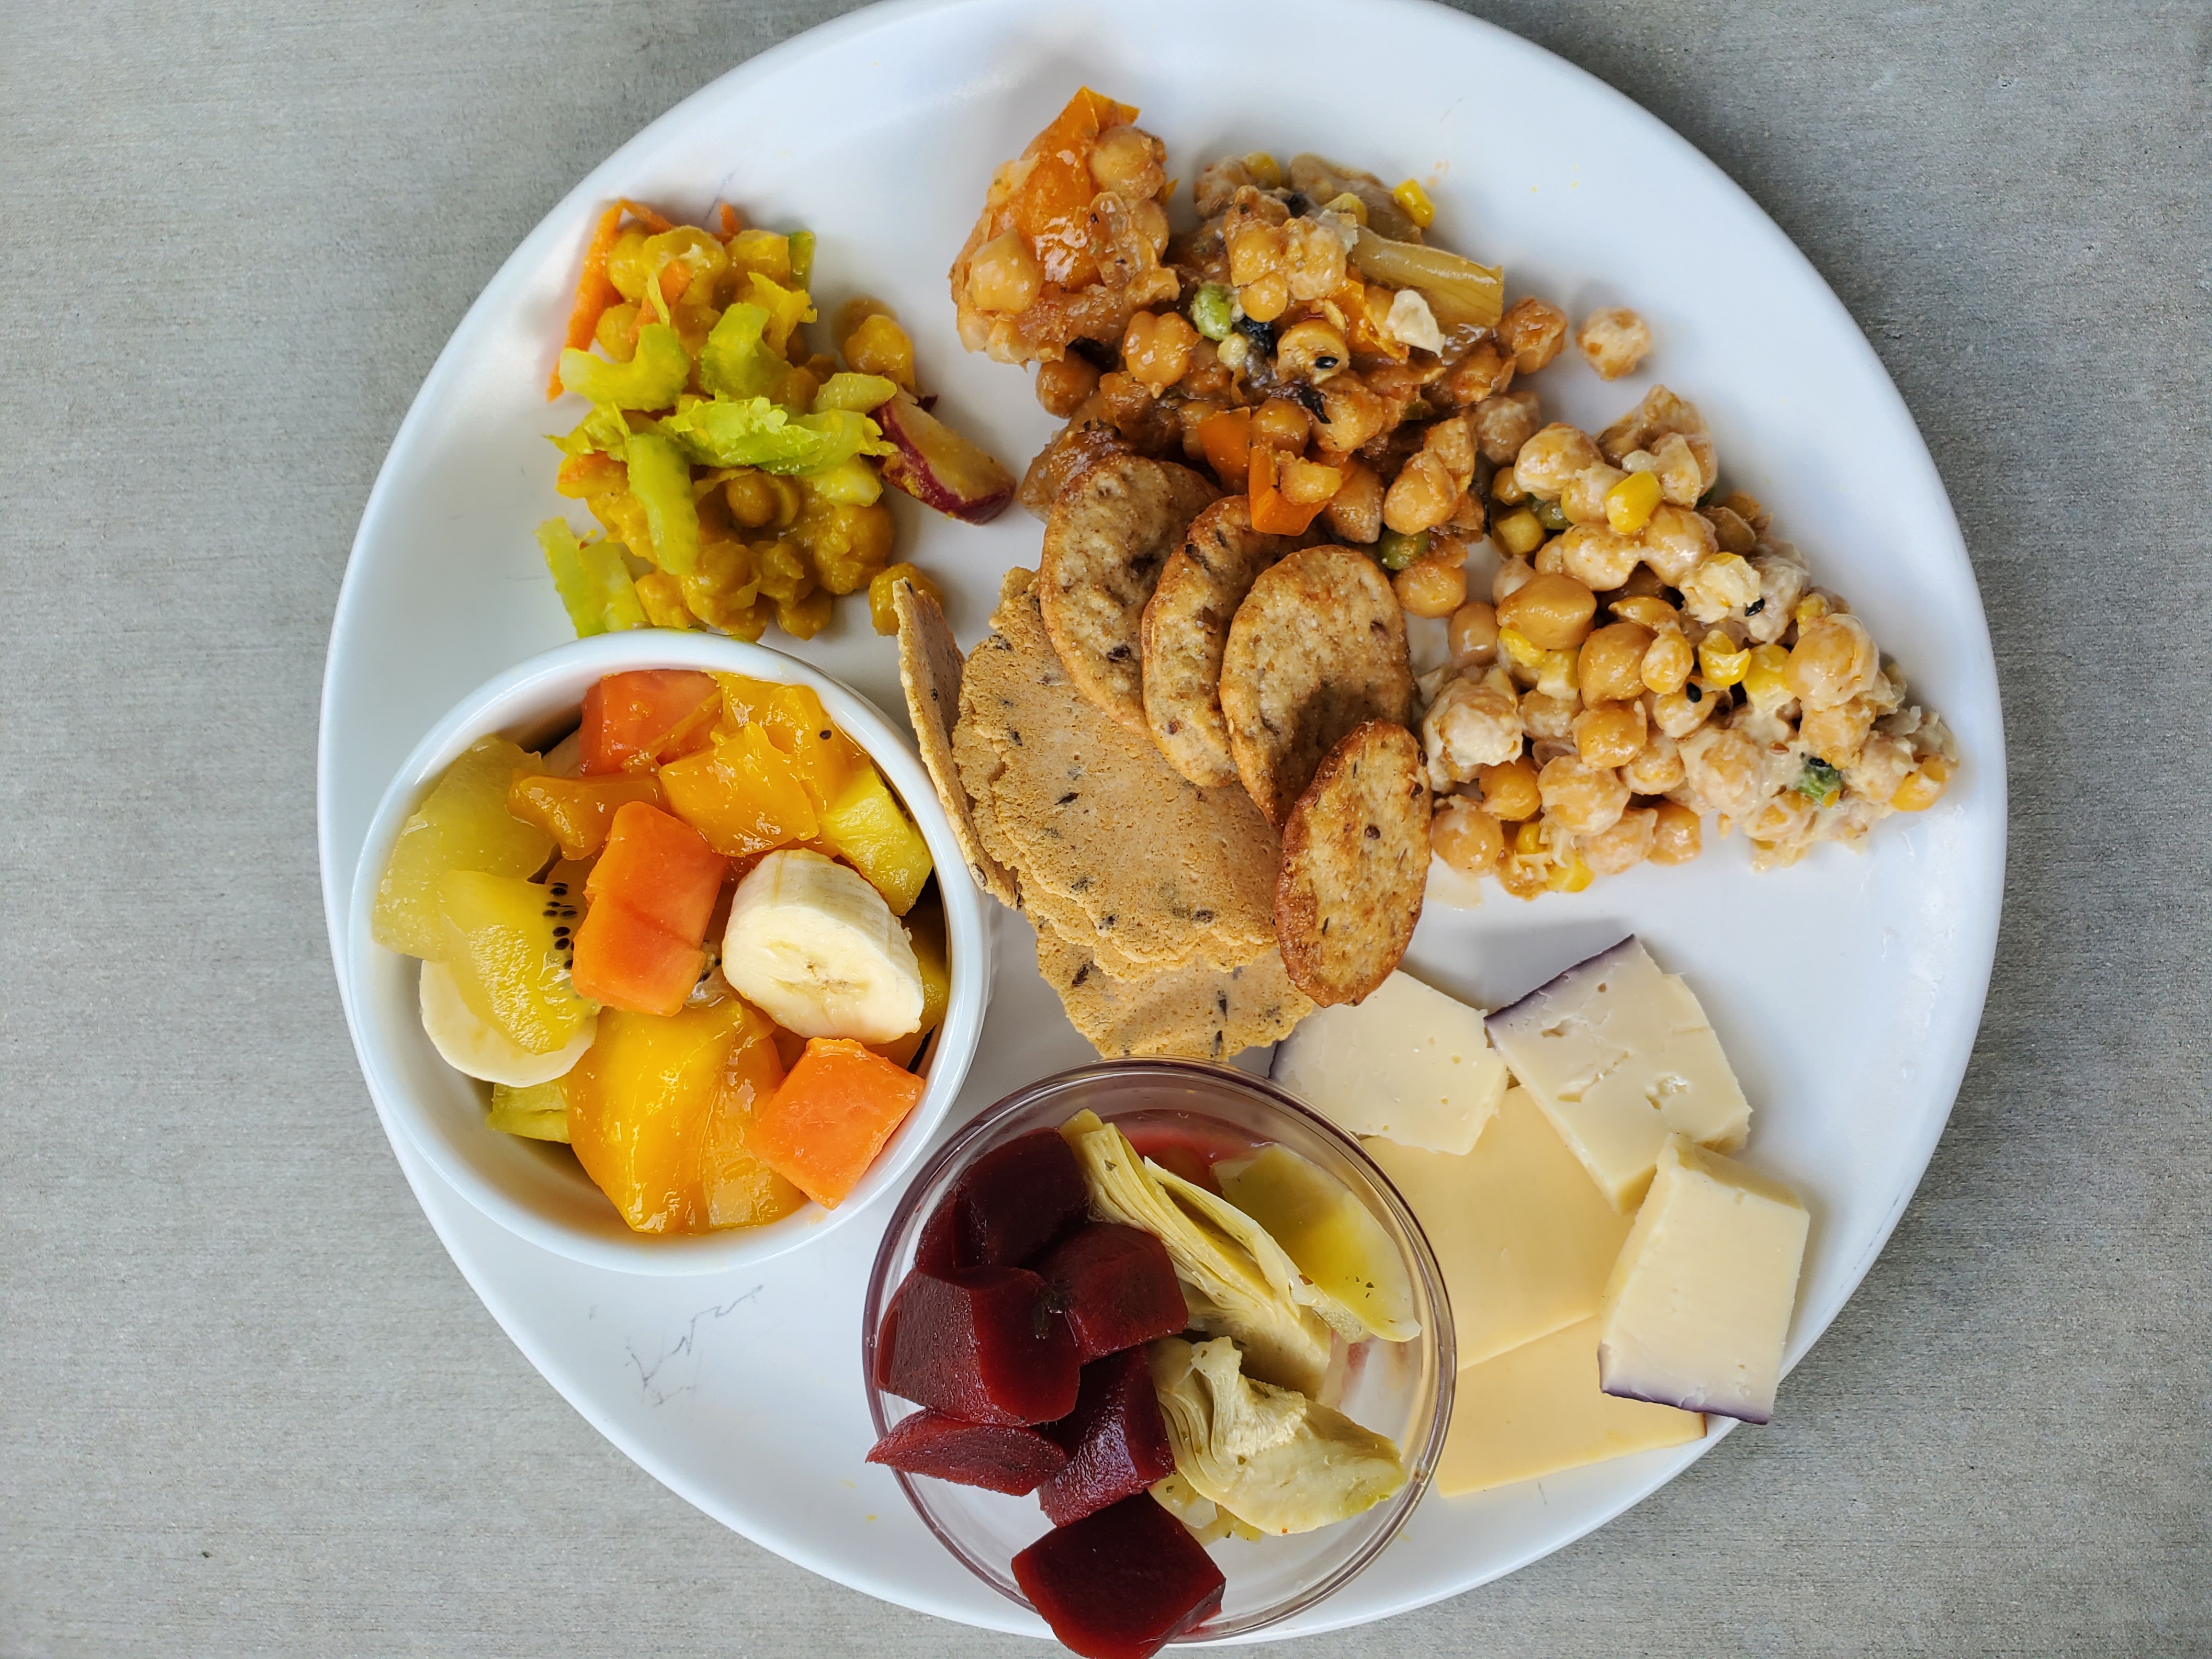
{"points": [[754, 432], [802, 259], [660, 478], [650, 379], [851, 482], [592, 580], [857, 392], [602, 432], [736, 362], [1459, 291], [787, 309]]}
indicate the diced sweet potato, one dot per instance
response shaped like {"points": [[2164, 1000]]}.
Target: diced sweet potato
{"points": [[1121, 1583], [1007, 1457], [1115, 1439], [1115, 1285], [1007, 1206], [978, 1343]]}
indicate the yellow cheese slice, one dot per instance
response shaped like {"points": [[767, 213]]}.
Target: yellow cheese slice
{"points": [[1537, 1409], [1523, 1235]]}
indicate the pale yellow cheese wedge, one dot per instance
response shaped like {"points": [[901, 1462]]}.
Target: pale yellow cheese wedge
{"points": [[1537, 1409], [1523, 1235]]}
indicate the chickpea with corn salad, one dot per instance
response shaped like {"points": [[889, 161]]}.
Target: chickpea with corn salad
{"points": [[736, 474], [1650, 655]]}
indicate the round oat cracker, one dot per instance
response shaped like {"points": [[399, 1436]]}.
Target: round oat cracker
{"points": [[1186, 628], [1110, 532], [1355, 864], [1195, 1011], [1318, 646]]}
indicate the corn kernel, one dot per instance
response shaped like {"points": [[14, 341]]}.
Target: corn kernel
{"points": [[1265, 171], [1924, 787], [1528, 838], [662, 596], [1810, 610], [1630, 504], [1765, 678], [1418, 208], [1351, 206], [1518, 533], [1555, 675], [1521, 648], [1723, 660], [1570, 877]]}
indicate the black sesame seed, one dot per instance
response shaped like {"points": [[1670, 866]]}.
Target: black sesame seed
{"points": [[1691, 691], [1754, 607]]}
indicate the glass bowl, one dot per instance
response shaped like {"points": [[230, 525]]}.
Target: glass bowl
{"points": [[1403, 1391]]}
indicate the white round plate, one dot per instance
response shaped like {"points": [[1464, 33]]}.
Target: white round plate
{"points": [[1847, 989]]}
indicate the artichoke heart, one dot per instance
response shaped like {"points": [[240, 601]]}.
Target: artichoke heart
{"points": [[1334, 1238], [1269, 1455], [1226, 1290]]}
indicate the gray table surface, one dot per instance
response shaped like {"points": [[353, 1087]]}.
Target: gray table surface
{"points": [[247, 1406]]}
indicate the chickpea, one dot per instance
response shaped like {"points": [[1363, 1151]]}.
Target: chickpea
{"points": [[1781, 818], [1624, 846], [1422, 497], [1833, 661], [1642, 584], [1311, 350], [1726, 770], [1676, 836], [1467, 838], [1837, 735], [1578, 796], [1255, 250], [1062, 387], [1504, 423], [1533, 329], [1509, 790], [1004, 275], [1267, 299], [1156, 349], [1613, 341], [1547, 717], [1473, 636], [1513, 574], [1681, 712], [1732, 533], [1553, 611], [1483, 372], [1610, 667], [1600, 558], [1351, 412], [1610, 733], [1129, 161], [1924, 787], [753, 499], [1551, 558], [1434, 587], [1583, 499], [1307, 483], [1525, 878], [1676, 542], [1355, 511], [1549, 462], [1281, 424], [1656, 767], [1669, 662], [1720, 586], [1649, 608], [1469, 726]]}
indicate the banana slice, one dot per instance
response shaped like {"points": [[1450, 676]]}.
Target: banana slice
{"points": [[473, 1045], [813, 945]]}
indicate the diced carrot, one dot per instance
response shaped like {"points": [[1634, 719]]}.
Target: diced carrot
{"points": [[652, 893], [1052, 207], [728, 215], [1226, 438], [1273, 513], [647, 717], [832, 1116], [595, 290]]}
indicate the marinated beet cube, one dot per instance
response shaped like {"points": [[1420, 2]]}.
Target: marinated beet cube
{"points": [[1115, 1440], [978, 1343], [1007, 1457], [1007, 1206], [1115, 1285], [1121, 1583]]}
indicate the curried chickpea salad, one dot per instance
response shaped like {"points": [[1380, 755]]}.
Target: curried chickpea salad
{"points": [[1649, 655]]}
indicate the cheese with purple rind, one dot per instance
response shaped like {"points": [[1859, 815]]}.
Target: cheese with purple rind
{"points": [[1698, 1306], [1619, 1055]]}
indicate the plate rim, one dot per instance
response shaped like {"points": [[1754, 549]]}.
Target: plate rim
{"points": [[1975, 647]]}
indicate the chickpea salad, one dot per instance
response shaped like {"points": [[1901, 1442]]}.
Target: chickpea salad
{"points": [[1632, 648]]}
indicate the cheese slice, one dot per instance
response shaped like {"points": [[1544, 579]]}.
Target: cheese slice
{"points": [[1409, 1063], [1536, 1409], [1523, 1235], [1697, 1307], [1619, 1055]]}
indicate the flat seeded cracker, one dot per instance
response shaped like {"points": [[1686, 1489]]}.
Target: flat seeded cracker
{"points": [[1194, 1013], [1111, 530], [1186, 626], [929, 672], [1317, 648], [1355, 864]]}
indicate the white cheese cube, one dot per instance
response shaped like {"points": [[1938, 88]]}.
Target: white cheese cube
{"points": [[1409, 1064], [1620, 1057], [1697, 1307], [1523, 1235], [1537, 1409]]}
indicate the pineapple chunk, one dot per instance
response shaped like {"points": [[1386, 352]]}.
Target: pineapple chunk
{"points": [[507, 944], [540, 1112], [462, 824]]}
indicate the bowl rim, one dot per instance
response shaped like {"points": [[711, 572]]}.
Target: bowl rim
{"points": [[1421, 1463], [516, 700]]}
